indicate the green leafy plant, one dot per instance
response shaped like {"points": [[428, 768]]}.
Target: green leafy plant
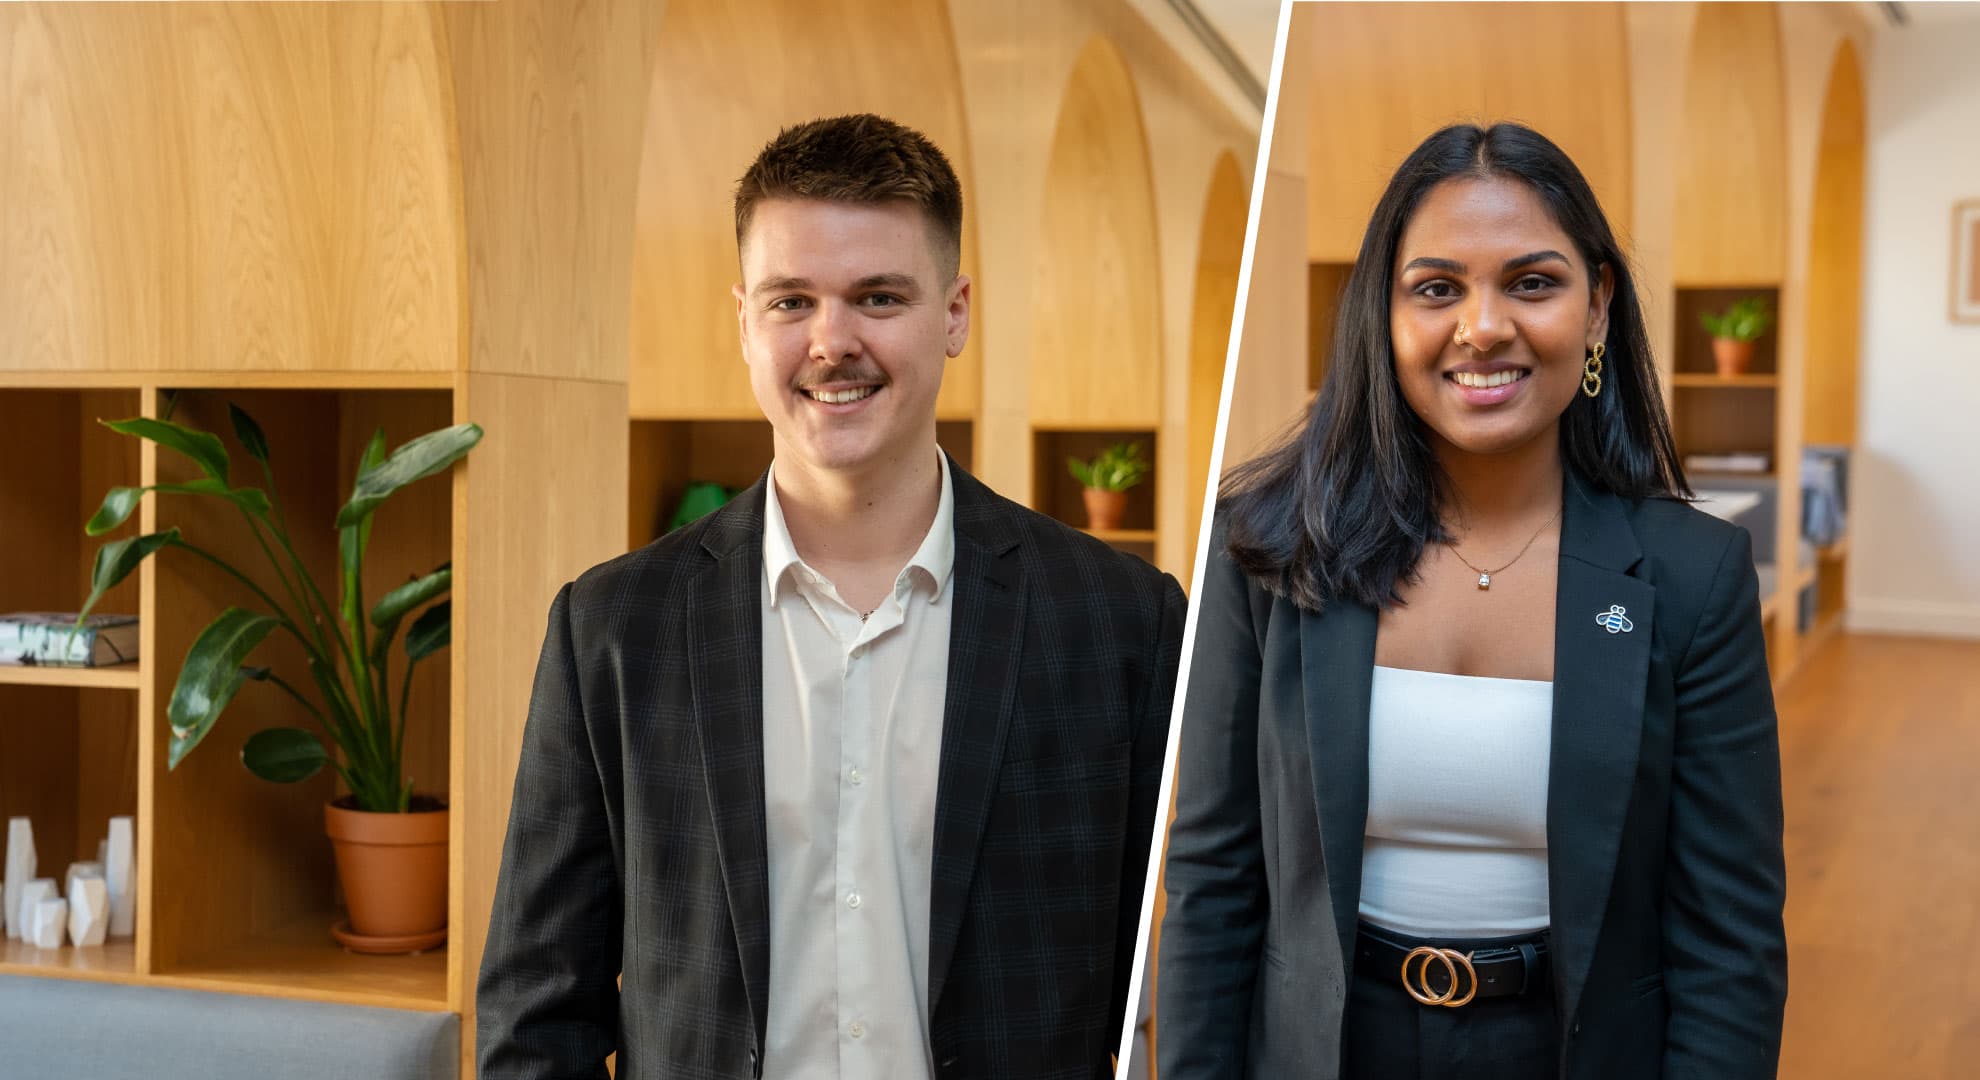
{"points": [[1745, 320], [1117, 468], [348, 650]]}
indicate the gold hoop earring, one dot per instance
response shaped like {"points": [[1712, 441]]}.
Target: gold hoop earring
{"points": [[1591, 372]]}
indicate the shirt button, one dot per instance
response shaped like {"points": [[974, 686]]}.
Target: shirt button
{"points": [[852, 900], [856, 1029], [855, 777]]}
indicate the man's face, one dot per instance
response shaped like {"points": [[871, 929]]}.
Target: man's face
{"points": [[846, 325]]}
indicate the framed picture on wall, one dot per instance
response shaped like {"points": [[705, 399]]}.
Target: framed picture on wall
{"points": [[1966, 262]]}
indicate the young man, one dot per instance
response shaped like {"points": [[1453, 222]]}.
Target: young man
{"points": [[855, 777]]}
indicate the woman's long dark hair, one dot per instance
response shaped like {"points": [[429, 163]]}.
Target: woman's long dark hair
{"points": [[1344, 506]]}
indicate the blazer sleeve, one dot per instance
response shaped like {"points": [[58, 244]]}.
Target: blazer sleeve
{"points": [[1724, 944], [547, 1002], [1151, 746], [1212, 931]]}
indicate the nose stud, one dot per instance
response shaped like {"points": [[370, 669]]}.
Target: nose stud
{"points": [[1463, 336]]}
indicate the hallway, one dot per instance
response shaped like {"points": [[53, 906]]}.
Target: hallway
{"points": [[1880, 748]]}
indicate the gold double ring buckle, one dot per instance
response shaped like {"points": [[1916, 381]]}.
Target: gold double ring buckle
{"points": [[1418, 985]]}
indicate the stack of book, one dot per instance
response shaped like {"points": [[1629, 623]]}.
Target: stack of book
{"points": [[54, 639]]}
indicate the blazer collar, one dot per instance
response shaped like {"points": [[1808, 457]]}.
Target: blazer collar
{"points": [[1599, 680], [985, 640]]}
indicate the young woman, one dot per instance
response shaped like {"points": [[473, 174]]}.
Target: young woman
{"points": [[1479, 773]]}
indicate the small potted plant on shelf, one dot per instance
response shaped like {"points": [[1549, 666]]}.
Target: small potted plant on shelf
{"points": [[1734, 331], [390, 840], [1106, 480]]}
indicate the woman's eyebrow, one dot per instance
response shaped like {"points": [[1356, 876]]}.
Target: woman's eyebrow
{"points": [[1532, 257], [1448, 266]]}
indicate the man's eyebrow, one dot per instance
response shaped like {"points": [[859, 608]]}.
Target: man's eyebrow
{"points": [[781, 284], [898, 281]]}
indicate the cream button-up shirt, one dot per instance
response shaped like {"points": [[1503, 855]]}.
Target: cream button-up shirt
{"points": [[852, 742]]}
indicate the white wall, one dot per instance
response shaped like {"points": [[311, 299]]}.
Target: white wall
{"points": [[1915, 515]]}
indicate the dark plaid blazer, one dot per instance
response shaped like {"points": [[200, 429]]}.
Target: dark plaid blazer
{"points": [[636, 843]]}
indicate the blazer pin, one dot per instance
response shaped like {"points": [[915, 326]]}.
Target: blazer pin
{"points": [[1614, 621]]}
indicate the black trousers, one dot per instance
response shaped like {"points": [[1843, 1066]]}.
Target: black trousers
{"points": [[1391, 1036]]}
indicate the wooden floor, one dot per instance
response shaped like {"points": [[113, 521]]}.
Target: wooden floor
{"points": [[1880, 758]]}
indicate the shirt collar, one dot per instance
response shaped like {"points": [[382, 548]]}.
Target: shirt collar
{"points": [[935, 558]]}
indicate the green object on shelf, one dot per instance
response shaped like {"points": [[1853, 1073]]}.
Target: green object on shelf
{"points": [[702, 498], [1117, 468], [349, 665], [1745, 320]]}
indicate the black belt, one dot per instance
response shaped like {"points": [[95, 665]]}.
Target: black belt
{"points": [[1438, 976]]}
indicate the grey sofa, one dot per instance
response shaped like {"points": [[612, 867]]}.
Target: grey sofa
{"points": [[105, 1031]]}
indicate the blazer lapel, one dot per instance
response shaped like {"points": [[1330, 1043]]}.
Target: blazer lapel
{"points": [[1337, 665], [1602, 631], [984, 643], [725, 639]]}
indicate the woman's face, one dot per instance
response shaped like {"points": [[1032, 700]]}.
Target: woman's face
{"points": [[1484, 253]]}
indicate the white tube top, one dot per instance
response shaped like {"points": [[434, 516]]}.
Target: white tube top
{"points": [[1456, 839]]}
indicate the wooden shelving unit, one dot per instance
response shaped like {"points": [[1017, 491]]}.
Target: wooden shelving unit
{"points": [[235, 885]]}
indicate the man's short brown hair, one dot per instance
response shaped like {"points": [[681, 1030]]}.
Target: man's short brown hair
{"points": [[861, 158]]}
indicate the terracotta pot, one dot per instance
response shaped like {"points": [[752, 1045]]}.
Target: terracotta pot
{"points": [[1732, 357], [1104, 509], [393, 867]]}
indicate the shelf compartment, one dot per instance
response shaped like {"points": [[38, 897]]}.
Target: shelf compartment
{"points": [[1055, 493], [236, 860], [668, 455], [1694, 342], [68, 763]]}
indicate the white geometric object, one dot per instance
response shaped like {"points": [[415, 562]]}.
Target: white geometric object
{"points": [[50, 922], [20, 869], [32, 894], [82, 870], [119, 873], [89, 910]]}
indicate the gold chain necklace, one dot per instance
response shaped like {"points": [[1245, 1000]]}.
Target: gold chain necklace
{"points": [[1485, 576]]}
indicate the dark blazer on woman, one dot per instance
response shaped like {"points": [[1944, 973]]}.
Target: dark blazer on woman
{"points": [[637, 847], [1665, 871]]}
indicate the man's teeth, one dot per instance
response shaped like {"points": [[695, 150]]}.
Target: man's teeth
{"points": [[1486, 382], [842, 397]]}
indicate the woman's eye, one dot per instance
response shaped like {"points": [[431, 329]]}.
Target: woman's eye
{"points": [[1533, 283], [1436, 290]]}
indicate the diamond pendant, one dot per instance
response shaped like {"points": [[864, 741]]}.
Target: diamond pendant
{"points": [[1484, 581]]}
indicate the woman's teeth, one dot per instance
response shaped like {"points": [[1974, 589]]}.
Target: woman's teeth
{"points": [[1480, 381], [842, 397]]}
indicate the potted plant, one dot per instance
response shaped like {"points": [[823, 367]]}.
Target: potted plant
{"points": [[1734, 331], [390, 840], [1106, 480]]}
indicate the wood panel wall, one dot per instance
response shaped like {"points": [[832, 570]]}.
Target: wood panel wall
{"points": [[228, 187], [1095, 290], [1732, 165], [726, 78], [1386, 76]]}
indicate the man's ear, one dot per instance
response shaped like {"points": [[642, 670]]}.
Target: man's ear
{"points": [[958, 314]]}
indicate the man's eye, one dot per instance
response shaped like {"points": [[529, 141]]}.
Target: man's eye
{"points": [[882, 300], [787, 303]]}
